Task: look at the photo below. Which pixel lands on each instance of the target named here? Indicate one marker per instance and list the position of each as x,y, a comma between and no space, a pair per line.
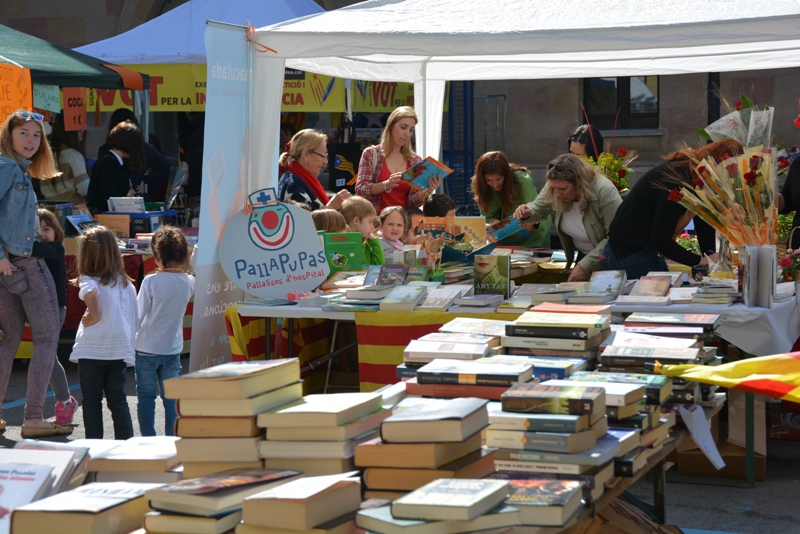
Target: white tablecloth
757,331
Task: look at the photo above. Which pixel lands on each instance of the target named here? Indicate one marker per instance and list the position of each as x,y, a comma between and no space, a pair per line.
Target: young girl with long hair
26,286
104,344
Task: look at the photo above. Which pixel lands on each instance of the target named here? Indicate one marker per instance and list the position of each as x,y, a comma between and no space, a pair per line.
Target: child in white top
104,342
162,303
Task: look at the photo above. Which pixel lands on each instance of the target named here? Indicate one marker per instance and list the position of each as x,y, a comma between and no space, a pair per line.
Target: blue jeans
635,265
151,371
98,377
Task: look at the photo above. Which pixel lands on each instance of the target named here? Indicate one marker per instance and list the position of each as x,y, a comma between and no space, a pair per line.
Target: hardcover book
493,275
418,175
542,398
234,380
343,250
451,499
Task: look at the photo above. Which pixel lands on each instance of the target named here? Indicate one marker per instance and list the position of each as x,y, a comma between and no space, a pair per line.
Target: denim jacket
17,208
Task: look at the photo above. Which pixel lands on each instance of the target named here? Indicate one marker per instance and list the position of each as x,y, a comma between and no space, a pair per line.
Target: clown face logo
271,227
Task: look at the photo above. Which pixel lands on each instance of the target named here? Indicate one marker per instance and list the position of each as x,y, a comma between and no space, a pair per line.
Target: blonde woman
305,157
381,166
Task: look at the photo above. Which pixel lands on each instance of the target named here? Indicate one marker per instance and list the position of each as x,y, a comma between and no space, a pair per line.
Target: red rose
622,152
675,195
733,170
698,182
755,162
750,178
621,173
797,121
782,164
738,106
725,155
701,170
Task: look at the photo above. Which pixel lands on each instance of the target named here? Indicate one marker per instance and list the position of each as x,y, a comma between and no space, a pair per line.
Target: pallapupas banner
222,194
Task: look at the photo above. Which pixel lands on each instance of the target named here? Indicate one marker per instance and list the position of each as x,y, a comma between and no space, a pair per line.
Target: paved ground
766,509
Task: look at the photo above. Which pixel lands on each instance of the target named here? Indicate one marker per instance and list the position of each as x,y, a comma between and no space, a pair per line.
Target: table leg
749,440
269,339
291,338
330,361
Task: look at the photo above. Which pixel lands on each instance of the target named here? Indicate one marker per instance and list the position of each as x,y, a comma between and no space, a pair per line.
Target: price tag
74,108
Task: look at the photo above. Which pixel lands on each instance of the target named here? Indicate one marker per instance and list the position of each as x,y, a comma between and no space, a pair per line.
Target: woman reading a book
305,157
641,234
584,204
381,168
500,187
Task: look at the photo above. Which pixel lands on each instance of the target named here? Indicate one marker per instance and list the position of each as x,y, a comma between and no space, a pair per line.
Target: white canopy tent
427,42
177,35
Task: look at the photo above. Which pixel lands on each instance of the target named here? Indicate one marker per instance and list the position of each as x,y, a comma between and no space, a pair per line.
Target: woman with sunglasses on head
643,232
500,187
382,166
305,157
586,141
27,289
584,204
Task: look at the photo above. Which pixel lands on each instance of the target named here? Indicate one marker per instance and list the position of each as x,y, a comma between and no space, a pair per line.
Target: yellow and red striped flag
776,376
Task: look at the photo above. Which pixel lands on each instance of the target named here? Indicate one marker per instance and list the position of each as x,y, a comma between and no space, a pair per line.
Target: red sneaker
65,411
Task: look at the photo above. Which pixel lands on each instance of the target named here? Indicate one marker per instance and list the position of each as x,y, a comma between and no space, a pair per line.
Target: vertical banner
223,189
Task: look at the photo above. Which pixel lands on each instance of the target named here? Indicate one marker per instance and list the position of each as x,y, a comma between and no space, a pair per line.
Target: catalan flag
342,164
776,376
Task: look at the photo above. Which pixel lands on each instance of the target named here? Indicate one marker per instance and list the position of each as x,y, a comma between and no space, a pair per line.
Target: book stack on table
217,410
318,433
538,428
536,333
424,440
138,459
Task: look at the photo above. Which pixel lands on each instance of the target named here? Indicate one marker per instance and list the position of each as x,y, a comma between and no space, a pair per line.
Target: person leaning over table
500,187
642,233
585,141
305,157
381,167
584,204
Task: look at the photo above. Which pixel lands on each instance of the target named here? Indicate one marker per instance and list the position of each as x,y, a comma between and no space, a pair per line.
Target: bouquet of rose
736,197
615,168
790,266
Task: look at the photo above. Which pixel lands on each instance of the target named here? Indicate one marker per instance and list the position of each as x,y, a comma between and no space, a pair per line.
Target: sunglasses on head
28,115
559,167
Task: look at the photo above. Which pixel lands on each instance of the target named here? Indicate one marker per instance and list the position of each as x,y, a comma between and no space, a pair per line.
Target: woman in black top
642,233
111,175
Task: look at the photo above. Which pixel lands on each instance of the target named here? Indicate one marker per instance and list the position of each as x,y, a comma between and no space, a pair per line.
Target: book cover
418,419
345,279
451,499
675,277
623,338
544,367
545,502
440,298
343,250
610,282
467,325
22,484
418,175
493,275
62,462
651,286
554,399
607,448
371,278
509,231
403,298
417,273
81,222
473,230
80,458
392,274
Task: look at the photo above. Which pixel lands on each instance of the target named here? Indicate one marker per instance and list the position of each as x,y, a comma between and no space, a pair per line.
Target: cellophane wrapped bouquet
737,196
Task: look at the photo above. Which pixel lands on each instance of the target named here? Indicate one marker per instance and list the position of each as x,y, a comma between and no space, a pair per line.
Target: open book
417,176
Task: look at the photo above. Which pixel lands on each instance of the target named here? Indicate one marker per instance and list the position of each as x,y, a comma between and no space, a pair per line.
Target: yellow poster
373,97
172,88
308,91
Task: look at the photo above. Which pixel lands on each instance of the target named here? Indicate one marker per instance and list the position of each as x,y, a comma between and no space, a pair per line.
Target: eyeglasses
323,156
559,167
27,115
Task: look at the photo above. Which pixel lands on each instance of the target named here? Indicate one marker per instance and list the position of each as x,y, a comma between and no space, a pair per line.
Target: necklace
171,270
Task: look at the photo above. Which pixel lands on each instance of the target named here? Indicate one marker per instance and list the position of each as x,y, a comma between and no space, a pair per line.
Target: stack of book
318,433
138,459
573,335
444,345
540,293
487,379
716,292
453,506
212,503
441,298
307,505
485,303
217,410
555,420
424,440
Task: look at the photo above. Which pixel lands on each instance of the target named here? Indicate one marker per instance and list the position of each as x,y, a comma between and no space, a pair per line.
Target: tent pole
348,84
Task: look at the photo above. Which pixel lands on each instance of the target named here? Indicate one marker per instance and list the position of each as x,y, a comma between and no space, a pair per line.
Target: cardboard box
783,420
694,463
736,416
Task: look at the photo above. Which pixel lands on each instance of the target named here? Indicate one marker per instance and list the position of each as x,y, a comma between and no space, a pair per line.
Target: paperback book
493,275
418,175
343,250
509,231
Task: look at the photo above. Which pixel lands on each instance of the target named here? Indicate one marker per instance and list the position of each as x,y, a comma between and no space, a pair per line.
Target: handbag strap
789,243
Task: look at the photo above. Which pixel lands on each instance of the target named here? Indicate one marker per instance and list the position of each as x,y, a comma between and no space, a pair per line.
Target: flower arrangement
615,167
689,243
737,196
790,266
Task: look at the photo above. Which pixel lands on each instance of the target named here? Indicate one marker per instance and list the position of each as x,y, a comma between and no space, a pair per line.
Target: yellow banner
172,88
373,97
307,91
